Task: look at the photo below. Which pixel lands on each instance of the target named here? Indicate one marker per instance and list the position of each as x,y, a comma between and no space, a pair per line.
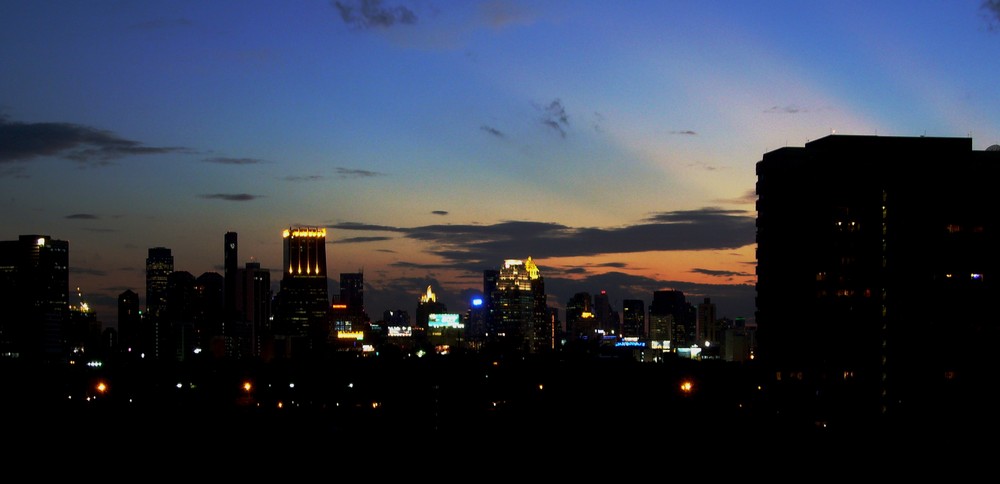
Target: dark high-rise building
348,308
427,305
303,304
671,318
522,309
34,287
129,322
249,337
231,269
155,331
608,320
633,318
706,326
491,277
580,321
877,269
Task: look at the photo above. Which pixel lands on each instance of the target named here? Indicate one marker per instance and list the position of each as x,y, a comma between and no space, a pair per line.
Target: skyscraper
671,318
520,299
34,287
303,301
876,267
155,331
251,336
231,268
129,322
633,318
349,305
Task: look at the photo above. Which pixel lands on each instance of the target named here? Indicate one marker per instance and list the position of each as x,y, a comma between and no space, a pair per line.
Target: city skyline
614,145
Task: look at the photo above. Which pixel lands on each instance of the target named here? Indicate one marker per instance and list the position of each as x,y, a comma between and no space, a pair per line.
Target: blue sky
612,142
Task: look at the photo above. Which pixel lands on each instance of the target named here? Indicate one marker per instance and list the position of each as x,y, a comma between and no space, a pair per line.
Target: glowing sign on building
444,320
357,335
400,331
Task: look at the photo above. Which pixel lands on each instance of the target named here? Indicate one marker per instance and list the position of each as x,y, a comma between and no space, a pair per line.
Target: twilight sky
612,142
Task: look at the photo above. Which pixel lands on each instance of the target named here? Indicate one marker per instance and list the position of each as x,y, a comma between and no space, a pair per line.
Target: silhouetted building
671,318
608,320
706,326
876,267
348,307
129,323
580,321
251,335
155,331
34,287
522,311
302,306
231,269
634,318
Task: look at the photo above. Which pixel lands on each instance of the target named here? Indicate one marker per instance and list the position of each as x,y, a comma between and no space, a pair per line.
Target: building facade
34,287
303,304
876,268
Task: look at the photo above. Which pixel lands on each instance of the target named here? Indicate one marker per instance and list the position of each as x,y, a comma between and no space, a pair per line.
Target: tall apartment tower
34,289
231,269
250,337
877,271
671,318
522,309
634,318
303,301
348,306
706,326
155,332
129,322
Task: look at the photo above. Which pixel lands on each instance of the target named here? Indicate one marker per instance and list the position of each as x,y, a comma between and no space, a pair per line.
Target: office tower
608,320
231,270
876,268
159,265
129,322
34,287
303,304
633,318
580,321
155,330
348,308
706,328
671,318
427,305
475,323
250,335
521,306
491,277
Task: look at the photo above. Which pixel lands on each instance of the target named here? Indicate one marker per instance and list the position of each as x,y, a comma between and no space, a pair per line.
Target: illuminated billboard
444,320
400,331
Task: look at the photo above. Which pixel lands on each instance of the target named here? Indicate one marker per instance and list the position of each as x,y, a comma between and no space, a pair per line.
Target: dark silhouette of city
876,259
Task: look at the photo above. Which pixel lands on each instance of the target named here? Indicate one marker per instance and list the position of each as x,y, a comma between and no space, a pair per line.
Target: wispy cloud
991,10
292,178
476,246
84,144
790,109
355,173
554,116
368,14
233,161
685,132
714,273
748,198
492,130
232,197
84,270
82,216
439,212
353,240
